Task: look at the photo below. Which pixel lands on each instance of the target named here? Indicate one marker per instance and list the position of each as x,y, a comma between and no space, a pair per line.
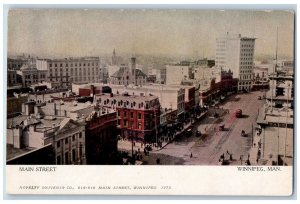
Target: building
228,83
72,70
116,60
31,75
32,132
205,62
12,79
129,74
170,97
90,89
175,74
101,134
236,53
15,63
14,104
138,116
101,137
276,120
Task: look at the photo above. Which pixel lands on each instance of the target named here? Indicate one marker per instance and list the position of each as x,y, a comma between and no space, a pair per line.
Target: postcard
150,102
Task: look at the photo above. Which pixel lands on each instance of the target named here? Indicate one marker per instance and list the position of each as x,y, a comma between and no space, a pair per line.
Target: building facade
128,74
30,75
72,70
175,74
66,136
170,97
138,116
236,53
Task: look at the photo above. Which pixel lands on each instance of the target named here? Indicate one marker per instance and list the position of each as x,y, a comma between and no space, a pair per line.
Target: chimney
92,90
133,63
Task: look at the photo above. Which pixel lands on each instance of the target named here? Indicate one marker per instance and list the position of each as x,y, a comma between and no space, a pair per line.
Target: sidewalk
254,150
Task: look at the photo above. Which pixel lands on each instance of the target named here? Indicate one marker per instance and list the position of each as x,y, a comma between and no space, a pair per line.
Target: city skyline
192,33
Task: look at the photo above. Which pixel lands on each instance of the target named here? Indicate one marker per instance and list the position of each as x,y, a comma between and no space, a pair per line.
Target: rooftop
12,152
120,73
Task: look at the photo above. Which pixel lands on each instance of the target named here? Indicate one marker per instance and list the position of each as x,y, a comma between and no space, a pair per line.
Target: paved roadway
208,149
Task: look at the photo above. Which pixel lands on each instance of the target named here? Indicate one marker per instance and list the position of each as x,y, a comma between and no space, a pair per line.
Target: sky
86,32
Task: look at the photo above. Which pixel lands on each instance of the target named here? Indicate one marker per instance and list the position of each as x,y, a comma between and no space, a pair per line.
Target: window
50,65
139,125
125,123
131,115
58,144
80,135
66,141
131,124
60,65
73,138
139,116
58,160
73,155
125,114
66,158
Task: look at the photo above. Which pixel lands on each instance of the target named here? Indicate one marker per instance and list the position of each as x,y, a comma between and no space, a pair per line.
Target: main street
207,149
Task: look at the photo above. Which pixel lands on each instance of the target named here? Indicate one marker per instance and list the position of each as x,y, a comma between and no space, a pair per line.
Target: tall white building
236,53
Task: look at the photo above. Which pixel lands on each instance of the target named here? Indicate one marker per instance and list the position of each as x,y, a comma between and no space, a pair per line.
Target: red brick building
101,137
138,116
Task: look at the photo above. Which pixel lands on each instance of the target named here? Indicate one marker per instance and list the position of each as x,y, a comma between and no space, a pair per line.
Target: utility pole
278,141
286,120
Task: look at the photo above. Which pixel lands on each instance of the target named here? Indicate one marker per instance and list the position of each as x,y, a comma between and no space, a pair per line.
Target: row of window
71,64
247,45
246,71
34,76
245,83
68,158
246,77
125,124
66,140
243,63
131,114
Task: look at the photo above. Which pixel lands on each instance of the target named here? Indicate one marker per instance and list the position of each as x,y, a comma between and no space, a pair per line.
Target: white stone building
236,53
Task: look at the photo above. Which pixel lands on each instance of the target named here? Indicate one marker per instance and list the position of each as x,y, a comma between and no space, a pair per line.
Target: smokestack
92,92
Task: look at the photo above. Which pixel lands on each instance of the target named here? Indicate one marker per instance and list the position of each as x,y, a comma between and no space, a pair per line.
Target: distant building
72,70
31,75
90,89
138,116
236,53
115,60
175,74
205,62
12,78
128,74
14,103
15,63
